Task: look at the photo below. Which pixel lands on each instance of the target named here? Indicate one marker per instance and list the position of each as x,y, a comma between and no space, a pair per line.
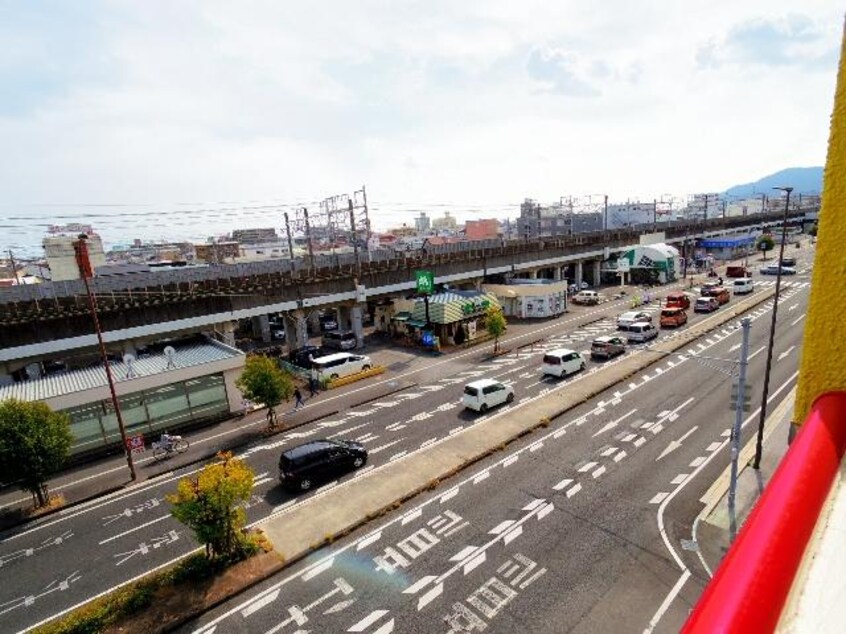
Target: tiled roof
94,377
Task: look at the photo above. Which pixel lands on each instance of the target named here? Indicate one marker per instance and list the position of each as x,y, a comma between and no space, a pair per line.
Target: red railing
752,583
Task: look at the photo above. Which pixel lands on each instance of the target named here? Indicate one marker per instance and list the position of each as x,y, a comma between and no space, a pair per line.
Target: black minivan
303,466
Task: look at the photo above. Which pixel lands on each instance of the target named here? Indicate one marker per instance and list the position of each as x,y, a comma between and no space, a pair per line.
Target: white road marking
413,515
679,478
136,528
784,354
659,497
620,455
364,543
484,475
258,605
574,489
368,620
757,352
587,467
510,460
639,441
397,456
713,446
546,510
563,484
598,472
322,566
798,319
614,423
608,451
449,494
697,461
385,446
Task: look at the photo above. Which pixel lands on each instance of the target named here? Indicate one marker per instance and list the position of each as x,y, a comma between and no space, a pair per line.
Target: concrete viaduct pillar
314,321
578,280
228,332
296,333
597,273
261,327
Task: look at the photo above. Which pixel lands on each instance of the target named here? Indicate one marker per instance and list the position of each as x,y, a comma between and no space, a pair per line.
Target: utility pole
654,214
759,443
14,267
354,235
746,324
308,238
605,214
84,264
290,241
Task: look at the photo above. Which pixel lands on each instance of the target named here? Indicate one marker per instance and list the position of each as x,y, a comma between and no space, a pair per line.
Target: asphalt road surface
564,529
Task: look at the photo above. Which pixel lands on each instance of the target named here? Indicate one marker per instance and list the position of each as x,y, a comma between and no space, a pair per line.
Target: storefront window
207,395
134,417
167,406
85,427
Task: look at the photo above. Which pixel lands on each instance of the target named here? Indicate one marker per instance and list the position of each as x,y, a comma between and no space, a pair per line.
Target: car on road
586,298
788,262
305,465
743,286
673,317
705,305
641,332
483,394
628,318
341,364
737,271
722,295
709,288
772,269
678,300
562,362
607,347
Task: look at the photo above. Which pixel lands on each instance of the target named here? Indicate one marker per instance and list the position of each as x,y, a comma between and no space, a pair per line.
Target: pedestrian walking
299,398
312,381
721,281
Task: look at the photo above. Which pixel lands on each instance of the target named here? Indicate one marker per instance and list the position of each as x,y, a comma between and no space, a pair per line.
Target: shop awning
403,316
414,323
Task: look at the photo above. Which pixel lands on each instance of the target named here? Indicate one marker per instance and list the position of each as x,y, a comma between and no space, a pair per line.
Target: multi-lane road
579,527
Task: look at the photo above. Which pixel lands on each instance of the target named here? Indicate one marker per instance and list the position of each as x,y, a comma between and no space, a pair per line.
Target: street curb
715,493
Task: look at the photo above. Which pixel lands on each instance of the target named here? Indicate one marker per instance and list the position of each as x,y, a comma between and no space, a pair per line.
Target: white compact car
631,317
562,362
642,332
483,394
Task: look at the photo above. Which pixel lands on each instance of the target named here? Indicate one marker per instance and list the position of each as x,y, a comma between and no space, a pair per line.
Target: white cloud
443,102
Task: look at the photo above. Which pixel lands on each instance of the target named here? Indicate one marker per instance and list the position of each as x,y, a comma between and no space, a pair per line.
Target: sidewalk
712,530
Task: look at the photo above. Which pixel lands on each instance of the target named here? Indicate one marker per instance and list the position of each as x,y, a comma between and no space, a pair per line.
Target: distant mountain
803,180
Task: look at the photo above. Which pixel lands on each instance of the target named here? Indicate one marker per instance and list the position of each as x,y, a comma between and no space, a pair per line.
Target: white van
336,366
743,286
483,394
641,332
562,362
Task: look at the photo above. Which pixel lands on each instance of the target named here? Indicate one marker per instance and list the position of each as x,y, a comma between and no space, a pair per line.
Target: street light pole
745,323
759,443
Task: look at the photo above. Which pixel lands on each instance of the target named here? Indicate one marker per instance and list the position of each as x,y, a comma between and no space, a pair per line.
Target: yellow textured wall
823,366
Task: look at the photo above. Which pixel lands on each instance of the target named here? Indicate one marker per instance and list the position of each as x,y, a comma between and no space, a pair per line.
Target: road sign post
425,287
740,402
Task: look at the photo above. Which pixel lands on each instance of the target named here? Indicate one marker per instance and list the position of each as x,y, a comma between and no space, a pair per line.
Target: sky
131,114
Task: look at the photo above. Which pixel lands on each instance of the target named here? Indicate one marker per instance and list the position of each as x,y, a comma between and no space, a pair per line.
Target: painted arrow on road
794,307
614,423
784,354
675,444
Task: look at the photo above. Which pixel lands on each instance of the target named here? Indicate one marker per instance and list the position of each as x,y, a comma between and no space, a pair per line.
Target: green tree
496,325
34,442
263,382
211,505
765,243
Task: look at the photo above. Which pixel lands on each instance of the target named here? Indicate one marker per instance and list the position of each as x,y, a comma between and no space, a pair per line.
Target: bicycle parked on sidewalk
169,445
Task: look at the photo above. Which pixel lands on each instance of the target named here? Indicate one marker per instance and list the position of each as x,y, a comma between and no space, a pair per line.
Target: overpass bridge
40,321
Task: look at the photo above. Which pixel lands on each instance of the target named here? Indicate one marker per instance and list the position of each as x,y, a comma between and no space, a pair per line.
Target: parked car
738,271
340,340
277,332
586,298
625,320
303,357
607,347
305,465
483,394
678,300
772,269
642,332
743,286
328,323
788,262
341,364
562,362
673,317
705,305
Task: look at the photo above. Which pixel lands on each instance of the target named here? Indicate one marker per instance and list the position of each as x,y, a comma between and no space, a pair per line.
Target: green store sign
425,282
475,306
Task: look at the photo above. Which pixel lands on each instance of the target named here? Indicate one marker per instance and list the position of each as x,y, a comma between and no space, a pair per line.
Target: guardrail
749,590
